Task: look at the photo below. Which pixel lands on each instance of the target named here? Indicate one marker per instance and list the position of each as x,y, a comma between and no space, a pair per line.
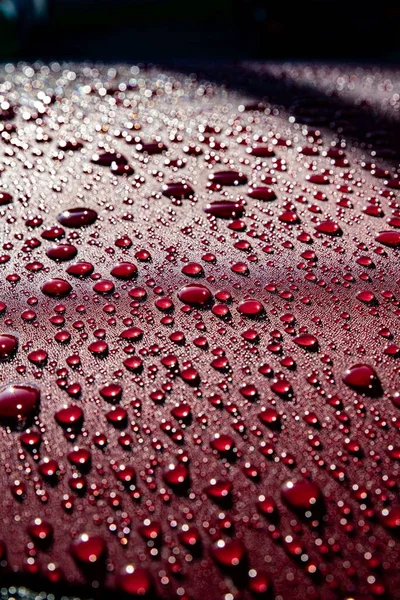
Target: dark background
191,30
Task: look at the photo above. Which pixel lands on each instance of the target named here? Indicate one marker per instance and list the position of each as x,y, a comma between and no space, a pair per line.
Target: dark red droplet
394,183
219,490
228,554
261,151
195,294
177,190
389,238
251,308
363,379
80,269
34,222
62,252
306,341
228,178
72,416
329,228
120,169
106,159
56,288
5,198
80,458
8,346
193,269
270,417
38,357
390,517
18,402
367,297
31,440
224,444
41,532
49,469
111,392
70,145
133,334
190,537
224,209
319,179
282,388
135,581
262,193
134,364
290,217
151,147
394,222
77,217
104,286
54,233
99,348
124,271
301,494
259,584
177,476
190,375
89,549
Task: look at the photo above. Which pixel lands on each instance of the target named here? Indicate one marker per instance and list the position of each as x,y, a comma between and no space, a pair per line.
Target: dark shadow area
143,30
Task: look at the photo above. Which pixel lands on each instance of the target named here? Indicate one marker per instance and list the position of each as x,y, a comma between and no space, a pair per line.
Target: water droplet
228,178
135,581
177,190
77,217
251,308
8,346
302,495
329,228
390,517
224,209
5,198
228,554
56,288
89,549
41,532
306,341
70,417
195,294
124,270
62,252
363,379
389,238
80,269
18,403
262,193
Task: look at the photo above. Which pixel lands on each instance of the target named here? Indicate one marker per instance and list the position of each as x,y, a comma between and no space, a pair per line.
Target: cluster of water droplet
198,338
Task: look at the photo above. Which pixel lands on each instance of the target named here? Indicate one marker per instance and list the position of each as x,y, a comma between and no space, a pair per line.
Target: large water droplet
303,496
135,581
18,403
8,346
363,379
224,209
228,178
89,549
195,294
389,238
56,288
177,190
251,308
77,217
